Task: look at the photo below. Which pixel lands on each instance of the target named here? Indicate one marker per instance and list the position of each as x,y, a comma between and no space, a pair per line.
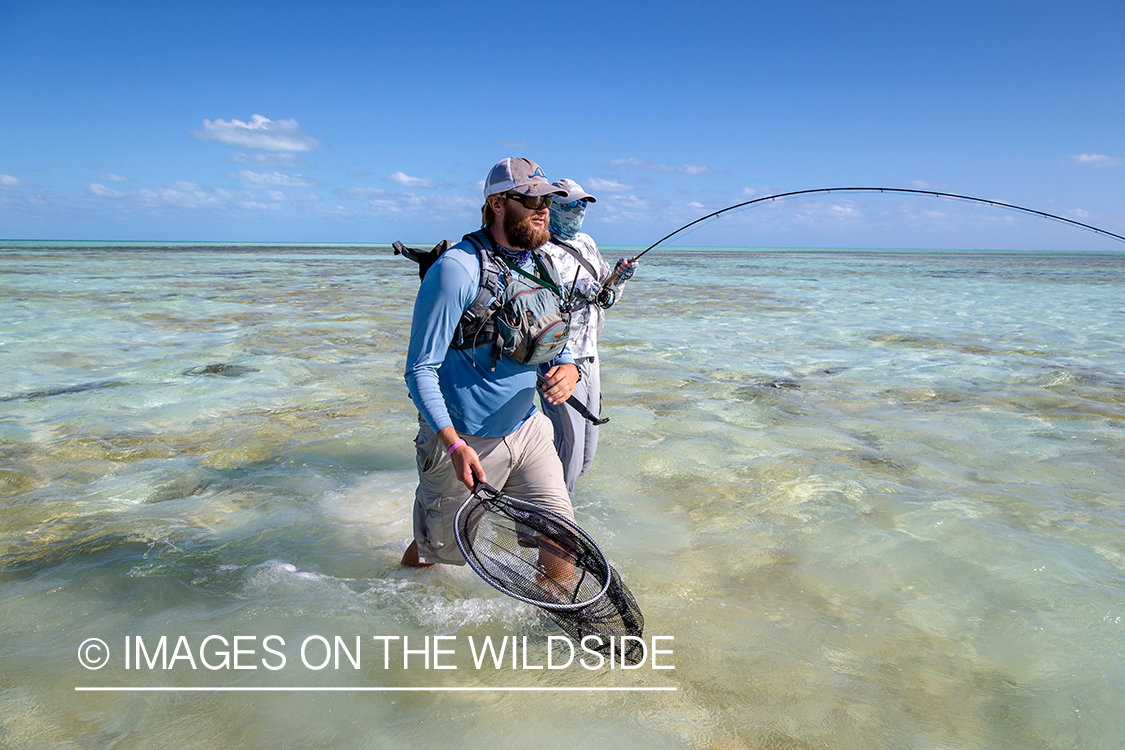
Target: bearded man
477,415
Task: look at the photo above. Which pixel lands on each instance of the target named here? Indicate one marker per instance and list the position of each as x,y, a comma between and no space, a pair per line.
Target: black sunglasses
532,203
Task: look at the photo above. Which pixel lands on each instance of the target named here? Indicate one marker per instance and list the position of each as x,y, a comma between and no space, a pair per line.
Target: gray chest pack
514,312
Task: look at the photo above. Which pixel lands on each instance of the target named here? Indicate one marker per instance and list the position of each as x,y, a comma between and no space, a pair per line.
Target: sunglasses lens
572,205
532,203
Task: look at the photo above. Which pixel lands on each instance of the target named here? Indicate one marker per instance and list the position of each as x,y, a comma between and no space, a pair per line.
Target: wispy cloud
258,206
178,194
810,212
276,179
931,186
607,186
182,195
96,188
110,177
411,182
632,164
365,193
274,159
7,181
383,202
260,134
1098,160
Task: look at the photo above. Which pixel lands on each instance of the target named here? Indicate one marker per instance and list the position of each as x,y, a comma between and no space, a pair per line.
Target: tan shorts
523,465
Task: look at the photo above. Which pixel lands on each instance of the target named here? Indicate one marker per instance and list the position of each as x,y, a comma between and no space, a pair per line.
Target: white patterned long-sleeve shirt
586,319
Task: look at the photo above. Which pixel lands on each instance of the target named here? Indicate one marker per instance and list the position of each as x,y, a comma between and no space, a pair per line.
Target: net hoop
478,499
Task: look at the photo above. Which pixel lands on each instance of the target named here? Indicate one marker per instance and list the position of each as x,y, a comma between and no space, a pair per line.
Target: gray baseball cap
574,191
518,175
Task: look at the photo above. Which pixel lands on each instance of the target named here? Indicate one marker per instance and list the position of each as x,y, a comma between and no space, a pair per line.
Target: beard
522,234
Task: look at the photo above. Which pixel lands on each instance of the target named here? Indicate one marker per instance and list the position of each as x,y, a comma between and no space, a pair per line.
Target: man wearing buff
476,421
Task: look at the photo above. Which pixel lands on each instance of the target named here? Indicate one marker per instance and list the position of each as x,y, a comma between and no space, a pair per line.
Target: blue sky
369,122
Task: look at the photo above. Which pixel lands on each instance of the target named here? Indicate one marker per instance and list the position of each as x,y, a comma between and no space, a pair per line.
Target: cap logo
538,172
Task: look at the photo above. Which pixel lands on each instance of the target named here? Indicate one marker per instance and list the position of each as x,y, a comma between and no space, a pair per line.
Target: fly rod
908,191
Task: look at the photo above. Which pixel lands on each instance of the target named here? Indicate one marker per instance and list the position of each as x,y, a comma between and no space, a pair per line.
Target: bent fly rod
909,191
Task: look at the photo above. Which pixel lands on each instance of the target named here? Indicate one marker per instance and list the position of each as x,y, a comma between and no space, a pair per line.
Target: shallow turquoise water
874,497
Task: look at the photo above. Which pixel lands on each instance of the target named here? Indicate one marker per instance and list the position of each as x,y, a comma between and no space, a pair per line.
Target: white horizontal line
169,689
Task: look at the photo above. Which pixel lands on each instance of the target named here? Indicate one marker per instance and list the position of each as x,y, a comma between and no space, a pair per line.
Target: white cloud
382,202
189,196
1098,160
270,160
633,164
933,187
7,181
842,210
276,179
182,196
411,182
110,177
816,211
102,191
261,134
607,186
750,192
365,193
277,195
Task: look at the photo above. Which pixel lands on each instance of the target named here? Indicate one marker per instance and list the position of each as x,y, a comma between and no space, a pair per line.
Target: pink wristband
454,447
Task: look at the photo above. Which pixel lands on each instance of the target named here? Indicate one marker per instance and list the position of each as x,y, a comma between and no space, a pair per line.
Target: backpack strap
477,326
487,299
577,256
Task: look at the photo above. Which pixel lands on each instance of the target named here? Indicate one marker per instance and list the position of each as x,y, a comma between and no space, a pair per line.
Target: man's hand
625,269
466,462
559,383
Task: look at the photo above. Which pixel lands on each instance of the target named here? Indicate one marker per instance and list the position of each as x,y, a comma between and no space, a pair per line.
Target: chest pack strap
542,279
477,326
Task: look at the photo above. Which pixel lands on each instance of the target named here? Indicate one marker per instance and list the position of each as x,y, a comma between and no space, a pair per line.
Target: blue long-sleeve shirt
459,387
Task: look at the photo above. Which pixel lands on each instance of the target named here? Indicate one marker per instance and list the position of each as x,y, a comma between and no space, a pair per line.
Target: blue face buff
566,218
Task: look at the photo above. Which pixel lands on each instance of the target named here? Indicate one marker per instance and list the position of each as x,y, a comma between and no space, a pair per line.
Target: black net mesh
614,614
542,558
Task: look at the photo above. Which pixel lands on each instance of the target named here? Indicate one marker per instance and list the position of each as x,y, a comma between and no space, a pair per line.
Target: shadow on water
64,390
225,370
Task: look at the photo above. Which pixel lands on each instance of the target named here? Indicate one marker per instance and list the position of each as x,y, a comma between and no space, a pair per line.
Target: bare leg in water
410,558
556,567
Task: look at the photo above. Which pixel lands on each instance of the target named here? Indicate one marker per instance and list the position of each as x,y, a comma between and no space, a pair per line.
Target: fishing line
909,191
